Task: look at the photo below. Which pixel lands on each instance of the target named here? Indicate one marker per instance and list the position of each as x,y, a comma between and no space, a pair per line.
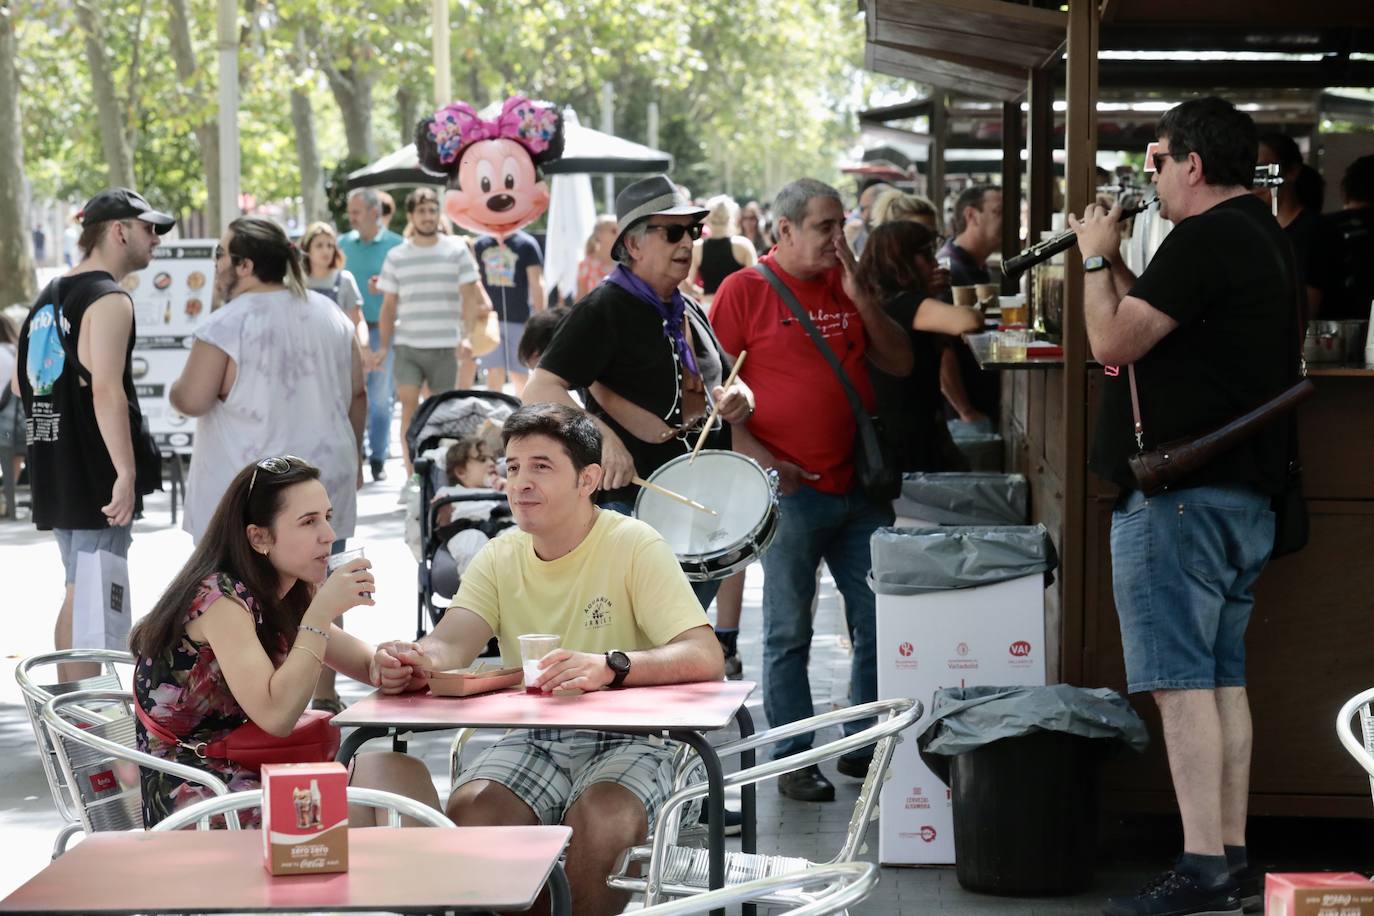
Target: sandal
332,705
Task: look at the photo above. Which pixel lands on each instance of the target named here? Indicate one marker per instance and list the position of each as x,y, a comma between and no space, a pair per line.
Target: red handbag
313,740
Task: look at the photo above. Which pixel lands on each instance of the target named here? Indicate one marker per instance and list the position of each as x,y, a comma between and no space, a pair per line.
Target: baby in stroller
456,503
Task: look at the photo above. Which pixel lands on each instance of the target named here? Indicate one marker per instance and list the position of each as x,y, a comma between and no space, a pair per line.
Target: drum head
733,485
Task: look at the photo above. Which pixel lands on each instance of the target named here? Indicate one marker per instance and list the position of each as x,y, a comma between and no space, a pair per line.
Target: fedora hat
653,196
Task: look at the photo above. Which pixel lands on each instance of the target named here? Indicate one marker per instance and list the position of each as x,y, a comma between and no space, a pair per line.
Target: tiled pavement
28,822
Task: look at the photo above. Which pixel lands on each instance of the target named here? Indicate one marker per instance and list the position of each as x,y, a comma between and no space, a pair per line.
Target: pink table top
703,706
425,869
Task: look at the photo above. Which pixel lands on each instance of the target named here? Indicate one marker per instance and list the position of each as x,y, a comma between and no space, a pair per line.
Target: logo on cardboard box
905,651
962,662
1020,652
927,833
961,650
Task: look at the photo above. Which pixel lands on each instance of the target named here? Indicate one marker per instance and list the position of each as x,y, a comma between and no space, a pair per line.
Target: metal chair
395,806
843,885
36,694
680,871
1362,751
93,740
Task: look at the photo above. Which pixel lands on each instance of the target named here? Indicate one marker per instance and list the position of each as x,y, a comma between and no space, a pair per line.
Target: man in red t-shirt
803,427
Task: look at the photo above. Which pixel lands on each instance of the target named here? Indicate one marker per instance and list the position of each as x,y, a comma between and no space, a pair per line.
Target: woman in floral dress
242,632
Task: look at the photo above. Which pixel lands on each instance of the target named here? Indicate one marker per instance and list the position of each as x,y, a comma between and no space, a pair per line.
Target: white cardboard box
990,635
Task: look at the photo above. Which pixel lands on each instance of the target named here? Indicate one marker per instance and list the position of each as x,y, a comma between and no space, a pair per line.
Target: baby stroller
439,421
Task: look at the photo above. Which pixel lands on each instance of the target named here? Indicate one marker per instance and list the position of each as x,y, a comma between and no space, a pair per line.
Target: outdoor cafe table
428,870
681,712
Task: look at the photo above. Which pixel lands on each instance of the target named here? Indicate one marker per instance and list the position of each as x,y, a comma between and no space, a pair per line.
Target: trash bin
984,451
959,498
1023,768
957,605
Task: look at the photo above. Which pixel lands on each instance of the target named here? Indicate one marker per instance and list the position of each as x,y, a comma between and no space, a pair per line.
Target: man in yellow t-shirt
611,588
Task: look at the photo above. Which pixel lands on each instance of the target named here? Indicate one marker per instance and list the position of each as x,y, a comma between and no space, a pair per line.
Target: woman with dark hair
241,635
897,266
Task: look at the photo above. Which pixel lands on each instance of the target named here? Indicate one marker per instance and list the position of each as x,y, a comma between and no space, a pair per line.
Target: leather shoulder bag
313,740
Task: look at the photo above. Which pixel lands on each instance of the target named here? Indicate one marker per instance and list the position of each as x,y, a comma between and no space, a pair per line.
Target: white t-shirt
290,397
426,281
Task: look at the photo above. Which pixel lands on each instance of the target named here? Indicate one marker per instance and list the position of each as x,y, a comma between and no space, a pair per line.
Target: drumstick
715,410
640,481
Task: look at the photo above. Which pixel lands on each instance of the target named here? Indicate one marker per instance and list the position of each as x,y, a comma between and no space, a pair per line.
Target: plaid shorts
550,768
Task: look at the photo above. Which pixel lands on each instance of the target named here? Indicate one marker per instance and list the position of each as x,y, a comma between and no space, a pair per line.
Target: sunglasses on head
278,465
673,233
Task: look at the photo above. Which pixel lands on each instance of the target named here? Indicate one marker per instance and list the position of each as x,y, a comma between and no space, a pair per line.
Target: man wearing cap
805,430
84,425
639,337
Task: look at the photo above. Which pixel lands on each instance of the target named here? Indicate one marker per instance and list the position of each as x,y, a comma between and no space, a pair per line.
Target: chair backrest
845,884
1360,746
395,806
94,742
36,694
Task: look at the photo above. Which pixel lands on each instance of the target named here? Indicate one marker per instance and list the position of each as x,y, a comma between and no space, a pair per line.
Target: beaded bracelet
309,629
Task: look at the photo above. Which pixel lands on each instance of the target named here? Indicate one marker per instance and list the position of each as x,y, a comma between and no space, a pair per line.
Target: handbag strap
1286,271
855,402
148,723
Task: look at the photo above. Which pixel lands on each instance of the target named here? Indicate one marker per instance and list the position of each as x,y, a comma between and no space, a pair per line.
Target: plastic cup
533,647
343,559
1012,345
965,295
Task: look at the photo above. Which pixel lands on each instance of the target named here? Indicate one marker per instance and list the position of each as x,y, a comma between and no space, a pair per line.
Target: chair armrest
1347,735
37,694
53,719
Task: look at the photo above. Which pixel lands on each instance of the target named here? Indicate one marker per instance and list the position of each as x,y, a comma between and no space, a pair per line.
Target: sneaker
1176,894
734,821
734,668
378,471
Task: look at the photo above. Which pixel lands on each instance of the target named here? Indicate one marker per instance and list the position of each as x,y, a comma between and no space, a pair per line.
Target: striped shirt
426,281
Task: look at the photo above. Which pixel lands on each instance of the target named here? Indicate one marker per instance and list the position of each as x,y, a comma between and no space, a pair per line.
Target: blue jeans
813,526
1183,564
381,394
705,591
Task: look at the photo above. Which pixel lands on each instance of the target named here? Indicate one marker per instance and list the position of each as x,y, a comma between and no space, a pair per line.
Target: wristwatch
1095,262
619,663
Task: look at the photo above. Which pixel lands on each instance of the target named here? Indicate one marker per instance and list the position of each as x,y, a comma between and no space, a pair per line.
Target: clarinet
1043,251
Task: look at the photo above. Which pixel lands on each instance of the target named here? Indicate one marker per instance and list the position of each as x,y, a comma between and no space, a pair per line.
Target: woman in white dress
276,371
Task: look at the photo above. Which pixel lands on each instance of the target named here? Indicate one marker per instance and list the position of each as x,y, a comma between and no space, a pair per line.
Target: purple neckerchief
673,313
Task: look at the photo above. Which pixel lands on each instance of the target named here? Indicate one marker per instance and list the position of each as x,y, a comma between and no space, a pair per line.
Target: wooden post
939,130
1080,142
1011,185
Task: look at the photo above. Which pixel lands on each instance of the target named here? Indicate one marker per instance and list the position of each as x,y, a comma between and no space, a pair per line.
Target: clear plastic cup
1012,345
343,559
533,647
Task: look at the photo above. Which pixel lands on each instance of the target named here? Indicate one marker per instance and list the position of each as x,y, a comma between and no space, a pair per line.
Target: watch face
618,661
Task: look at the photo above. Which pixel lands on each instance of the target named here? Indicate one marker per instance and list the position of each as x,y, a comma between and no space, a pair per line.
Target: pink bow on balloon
456,126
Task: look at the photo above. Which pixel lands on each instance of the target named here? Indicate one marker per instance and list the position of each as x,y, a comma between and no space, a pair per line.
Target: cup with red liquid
533,647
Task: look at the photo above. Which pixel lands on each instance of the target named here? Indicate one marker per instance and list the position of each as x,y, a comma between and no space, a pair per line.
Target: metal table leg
356,739
749,827
560,894
715,805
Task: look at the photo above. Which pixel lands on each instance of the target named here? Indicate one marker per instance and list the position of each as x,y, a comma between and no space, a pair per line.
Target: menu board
172,296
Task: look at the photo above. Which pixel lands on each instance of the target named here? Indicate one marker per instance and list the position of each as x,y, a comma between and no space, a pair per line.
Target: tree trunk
207,131
107,106
407,107
316,205
352,90
17,282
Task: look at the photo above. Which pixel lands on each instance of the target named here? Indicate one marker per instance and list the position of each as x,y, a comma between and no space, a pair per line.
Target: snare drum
713,547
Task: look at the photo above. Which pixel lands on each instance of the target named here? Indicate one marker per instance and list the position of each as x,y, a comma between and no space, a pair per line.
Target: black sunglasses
673,234
279,465
1159,159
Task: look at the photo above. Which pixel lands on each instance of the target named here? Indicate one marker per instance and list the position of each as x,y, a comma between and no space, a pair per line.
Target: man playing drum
612,590
639,337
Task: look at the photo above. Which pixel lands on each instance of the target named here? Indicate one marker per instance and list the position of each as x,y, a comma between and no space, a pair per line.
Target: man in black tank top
83,422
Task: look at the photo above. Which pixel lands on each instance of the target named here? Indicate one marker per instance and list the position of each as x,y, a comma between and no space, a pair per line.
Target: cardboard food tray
468,683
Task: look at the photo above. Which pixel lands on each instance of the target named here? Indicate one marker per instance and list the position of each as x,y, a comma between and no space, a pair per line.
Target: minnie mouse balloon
494,187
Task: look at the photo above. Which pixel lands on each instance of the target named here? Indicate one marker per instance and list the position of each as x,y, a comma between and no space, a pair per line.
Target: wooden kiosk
1311,638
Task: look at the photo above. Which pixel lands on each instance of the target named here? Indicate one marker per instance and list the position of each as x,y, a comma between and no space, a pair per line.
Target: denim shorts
1183,564
71,541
